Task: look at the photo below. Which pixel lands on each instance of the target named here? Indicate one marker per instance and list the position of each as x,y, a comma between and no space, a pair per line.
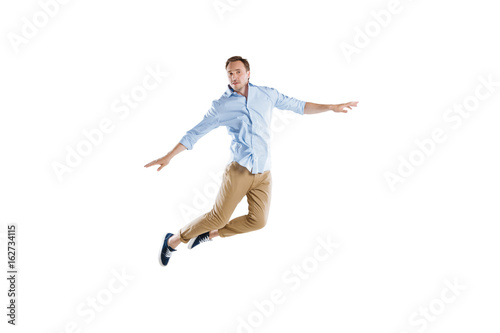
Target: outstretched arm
208,123
312,108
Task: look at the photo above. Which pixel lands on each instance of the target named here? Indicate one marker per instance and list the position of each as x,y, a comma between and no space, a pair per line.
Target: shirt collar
230,91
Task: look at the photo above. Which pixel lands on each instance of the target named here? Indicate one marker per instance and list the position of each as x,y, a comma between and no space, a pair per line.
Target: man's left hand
342,107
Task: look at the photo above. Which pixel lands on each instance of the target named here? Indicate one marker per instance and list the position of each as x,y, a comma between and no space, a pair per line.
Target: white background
397,247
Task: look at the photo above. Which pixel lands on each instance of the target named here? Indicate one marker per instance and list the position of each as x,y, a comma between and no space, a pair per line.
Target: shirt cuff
302,107
185,142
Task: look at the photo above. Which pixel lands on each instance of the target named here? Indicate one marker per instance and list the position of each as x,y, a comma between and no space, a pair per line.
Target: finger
150,164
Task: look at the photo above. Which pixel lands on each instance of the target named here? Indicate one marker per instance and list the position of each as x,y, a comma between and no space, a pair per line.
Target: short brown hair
238,58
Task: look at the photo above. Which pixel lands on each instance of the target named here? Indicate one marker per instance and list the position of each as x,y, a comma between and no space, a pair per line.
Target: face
237,75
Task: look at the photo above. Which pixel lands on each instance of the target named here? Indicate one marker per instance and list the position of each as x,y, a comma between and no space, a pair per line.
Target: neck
244,91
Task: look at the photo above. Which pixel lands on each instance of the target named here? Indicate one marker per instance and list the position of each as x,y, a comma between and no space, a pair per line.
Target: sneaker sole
161,248
191,242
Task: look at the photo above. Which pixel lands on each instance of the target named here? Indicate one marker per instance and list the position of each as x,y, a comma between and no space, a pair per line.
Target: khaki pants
237,182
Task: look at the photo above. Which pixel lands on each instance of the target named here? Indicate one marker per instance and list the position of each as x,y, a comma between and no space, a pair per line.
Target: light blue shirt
248,122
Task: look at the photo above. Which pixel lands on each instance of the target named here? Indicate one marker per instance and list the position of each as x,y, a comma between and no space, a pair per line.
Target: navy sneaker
203,238
166,251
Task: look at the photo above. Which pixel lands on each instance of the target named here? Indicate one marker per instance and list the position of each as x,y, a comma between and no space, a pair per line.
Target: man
246,110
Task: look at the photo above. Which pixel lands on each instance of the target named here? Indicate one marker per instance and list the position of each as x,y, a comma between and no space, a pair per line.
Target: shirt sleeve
284,102
209,122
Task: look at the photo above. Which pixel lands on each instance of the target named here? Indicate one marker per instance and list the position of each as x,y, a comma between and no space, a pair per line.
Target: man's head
238,72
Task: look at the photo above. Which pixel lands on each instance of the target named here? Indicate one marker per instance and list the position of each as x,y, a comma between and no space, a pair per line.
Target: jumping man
245,110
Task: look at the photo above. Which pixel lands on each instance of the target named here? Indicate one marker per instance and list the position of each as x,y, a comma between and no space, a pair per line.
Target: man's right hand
163,161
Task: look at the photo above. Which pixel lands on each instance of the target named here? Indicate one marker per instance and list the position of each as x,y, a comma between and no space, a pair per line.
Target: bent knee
258,222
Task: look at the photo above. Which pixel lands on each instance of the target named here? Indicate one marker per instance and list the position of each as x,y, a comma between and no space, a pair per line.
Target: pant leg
236,182
259,201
